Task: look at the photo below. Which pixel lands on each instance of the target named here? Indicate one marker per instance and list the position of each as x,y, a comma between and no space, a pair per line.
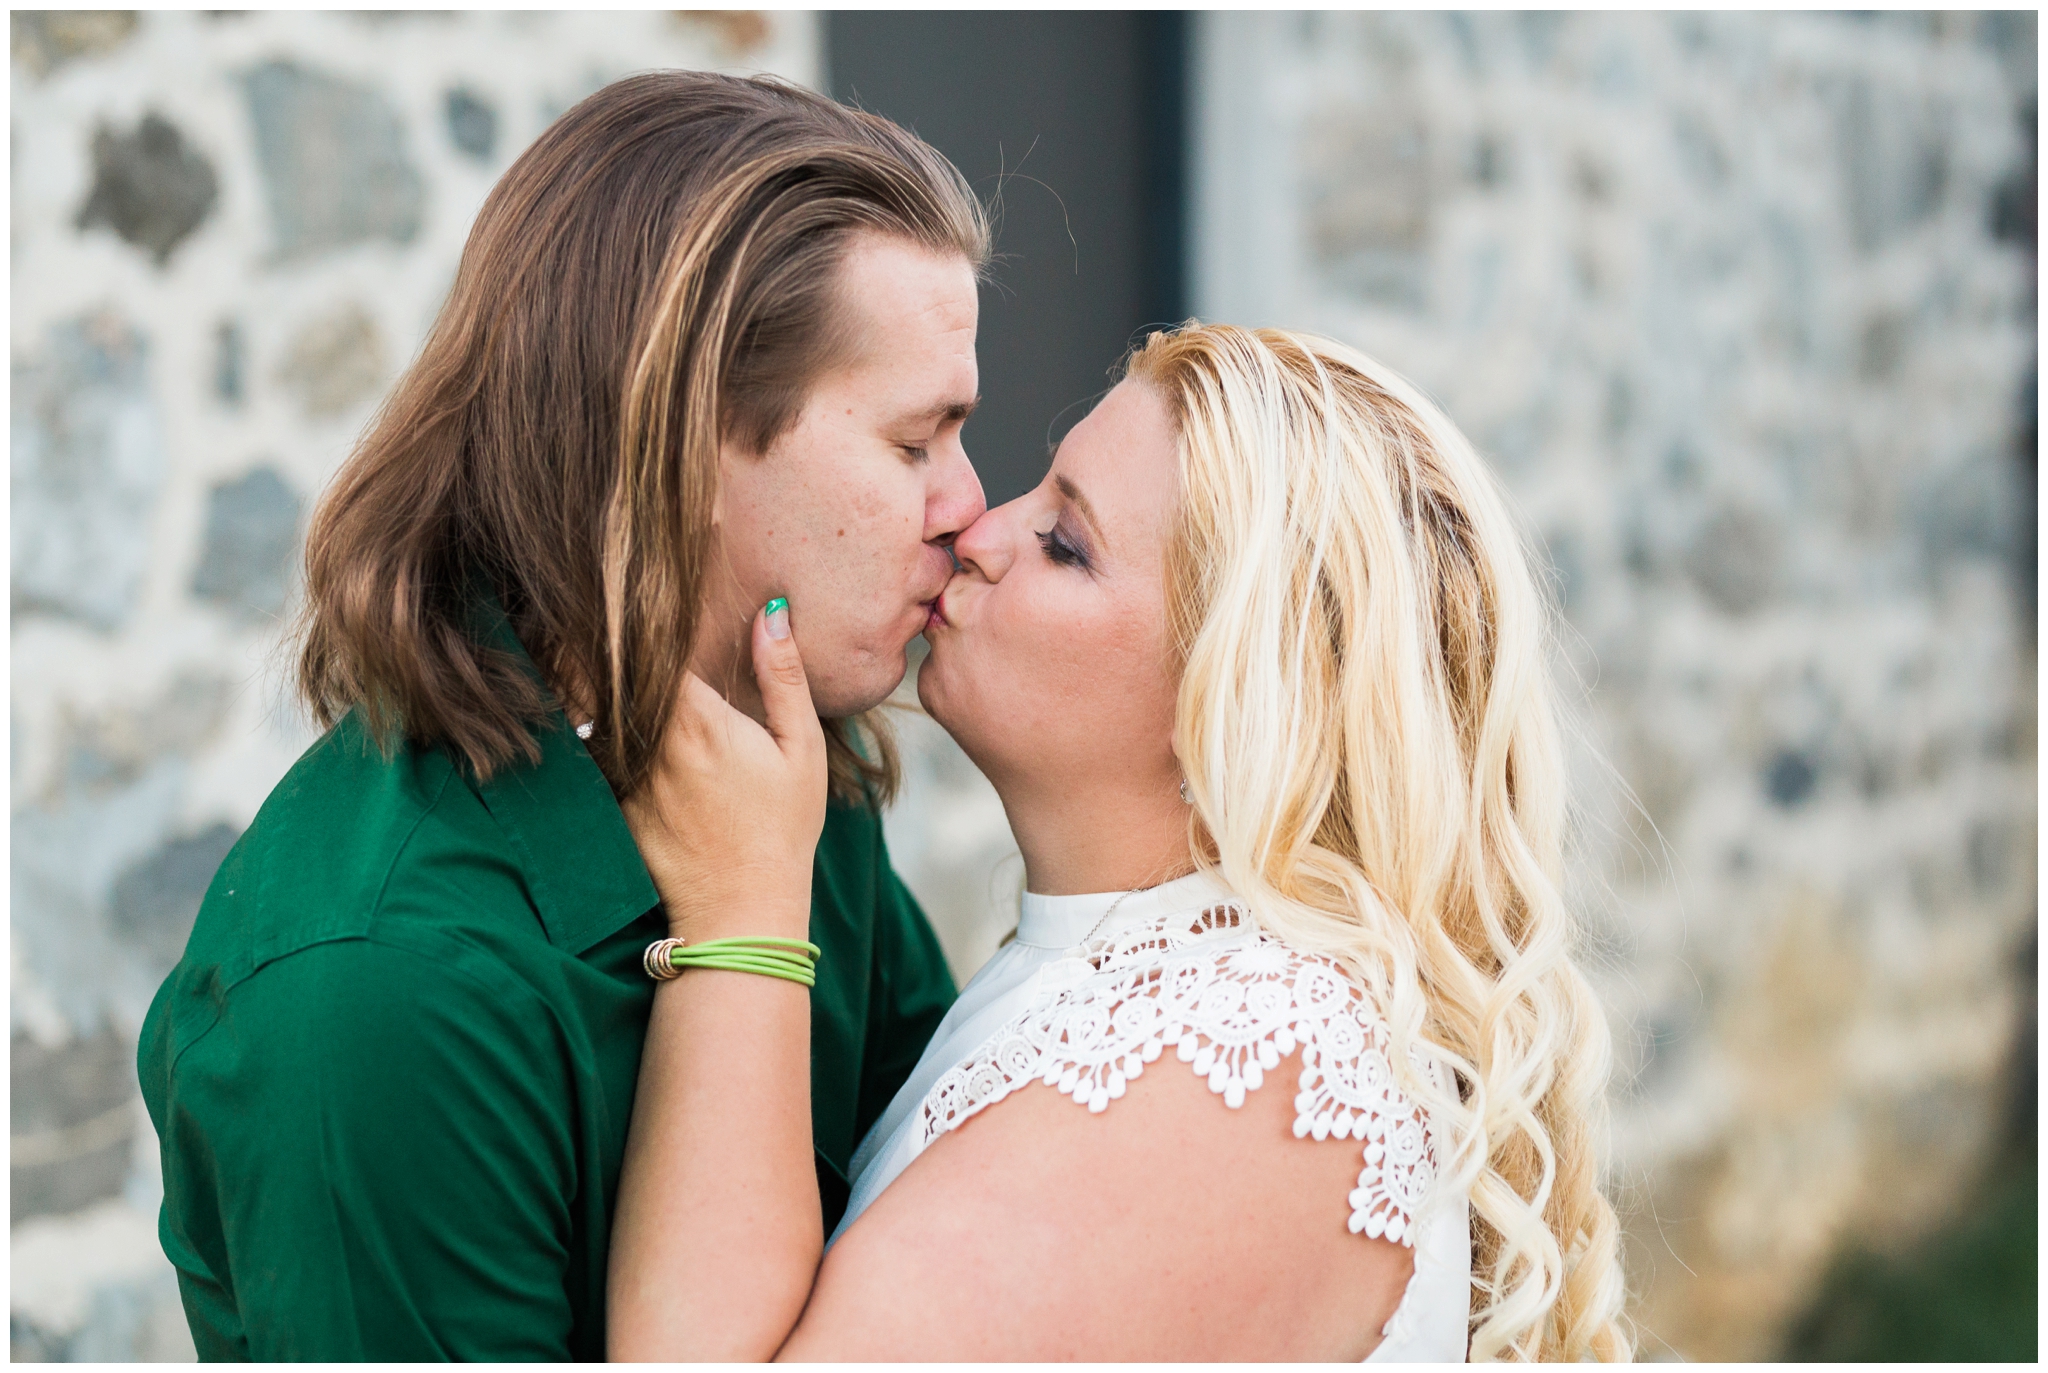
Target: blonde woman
1289,1058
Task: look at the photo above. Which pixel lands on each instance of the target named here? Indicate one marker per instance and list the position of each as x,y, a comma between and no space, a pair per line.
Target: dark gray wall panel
1070,124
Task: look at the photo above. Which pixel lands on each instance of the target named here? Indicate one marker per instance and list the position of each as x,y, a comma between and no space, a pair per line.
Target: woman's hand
718,1228
729,821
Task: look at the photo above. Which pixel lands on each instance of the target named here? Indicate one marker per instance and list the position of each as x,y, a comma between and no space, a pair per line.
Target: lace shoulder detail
1232,1001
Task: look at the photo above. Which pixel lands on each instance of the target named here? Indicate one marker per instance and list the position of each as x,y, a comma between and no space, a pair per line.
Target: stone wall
229,232
1741,307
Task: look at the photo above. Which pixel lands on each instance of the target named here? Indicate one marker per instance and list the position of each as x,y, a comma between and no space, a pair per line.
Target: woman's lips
936,612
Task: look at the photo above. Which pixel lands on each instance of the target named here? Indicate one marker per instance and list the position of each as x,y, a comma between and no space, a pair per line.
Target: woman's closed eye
1060,551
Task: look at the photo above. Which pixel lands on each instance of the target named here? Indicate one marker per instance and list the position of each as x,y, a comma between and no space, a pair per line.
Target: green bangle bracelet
792,960
745,960
686,956
766,941
734,966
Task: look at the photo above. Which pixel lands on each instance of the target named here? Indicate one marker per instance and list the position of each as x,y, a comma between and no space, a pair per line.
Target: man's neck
723,657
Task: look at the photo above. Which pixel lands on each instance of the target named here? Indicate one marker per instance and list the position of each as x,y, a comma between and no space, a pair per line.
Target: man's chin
840,696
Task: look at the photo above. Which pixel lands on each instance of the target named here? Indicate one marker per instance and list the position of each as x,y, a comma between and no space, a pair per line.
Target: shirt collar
578,857
1060,922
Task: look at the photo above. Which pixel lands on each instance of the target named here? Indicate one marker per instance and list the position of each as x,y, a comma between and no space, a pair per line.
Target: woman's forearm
718,1232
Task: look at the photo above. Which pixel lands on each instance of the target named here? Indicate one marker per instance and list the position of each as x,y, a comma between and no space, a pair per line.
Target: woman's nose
985,545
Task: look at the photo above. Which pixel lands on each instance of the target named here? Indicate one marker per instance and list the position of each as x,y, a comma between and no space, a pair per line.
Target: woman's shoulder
1232,1001
1240,1105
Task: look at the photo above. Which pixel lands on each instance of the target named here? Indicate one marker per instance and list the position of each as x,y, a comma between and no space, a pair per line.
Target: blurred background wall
1742,307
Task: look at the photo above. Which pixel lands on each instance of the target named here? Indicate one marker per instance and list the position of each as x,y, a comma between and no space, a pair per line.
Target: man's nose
955,500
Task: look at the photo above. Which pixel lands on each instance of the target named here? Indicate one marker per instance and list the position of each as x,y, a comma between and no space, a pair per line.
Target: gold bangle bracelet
657,960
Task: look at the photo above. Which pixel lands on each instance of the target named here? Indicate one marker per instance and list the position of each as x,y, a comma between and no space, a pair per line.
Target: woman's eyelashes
1059,550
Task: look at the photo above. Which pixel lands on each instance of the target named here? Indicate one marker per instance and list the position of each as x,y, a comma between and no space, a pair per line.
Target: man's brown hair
657,273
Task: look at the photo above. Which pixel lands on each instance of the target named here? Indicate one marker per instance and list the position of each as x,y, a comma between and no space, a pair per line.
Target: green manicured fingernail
779,603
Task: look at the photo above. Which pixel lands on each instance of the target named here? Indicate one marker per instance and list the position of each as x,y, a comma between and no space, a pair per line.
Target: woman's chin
940,696
930,692
964,724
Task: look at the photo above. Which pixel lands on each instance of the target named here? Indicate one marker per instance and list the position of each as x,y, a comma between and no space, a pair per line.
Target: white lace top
1183,967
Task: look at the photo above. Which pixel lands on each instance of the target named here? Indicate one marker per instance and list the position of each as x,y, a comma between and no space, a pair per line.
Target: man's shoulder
351,836
384,994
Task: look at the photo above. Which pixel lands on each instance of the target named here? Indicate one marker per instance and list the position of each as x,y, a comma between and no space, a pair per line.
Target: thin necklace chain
1097,927
1108,913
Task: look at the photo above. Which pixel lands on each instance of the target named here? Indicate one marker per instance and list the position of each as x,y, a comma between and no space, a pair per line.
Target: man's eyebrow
1073,493
946,412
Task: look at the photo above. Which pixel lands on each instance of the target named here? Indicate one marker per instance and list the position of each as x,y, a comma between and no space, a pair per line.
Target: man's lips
935,604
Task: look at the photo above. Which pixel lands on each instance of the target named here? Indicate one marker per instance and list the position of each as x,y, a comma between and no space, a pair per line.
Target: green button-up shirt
392,1075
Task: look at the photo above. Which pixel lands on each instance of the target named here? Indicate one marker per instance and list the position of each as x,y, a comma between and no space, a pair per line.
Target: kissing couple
561,1003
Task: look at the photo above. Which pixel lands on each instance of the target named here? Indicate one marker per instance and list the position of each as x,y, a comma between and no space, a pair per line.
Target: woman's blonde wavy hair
1366,725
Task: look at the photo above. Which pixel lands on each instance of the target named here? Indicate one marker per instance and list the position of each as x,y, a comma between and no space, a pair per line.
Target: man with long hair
711,345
